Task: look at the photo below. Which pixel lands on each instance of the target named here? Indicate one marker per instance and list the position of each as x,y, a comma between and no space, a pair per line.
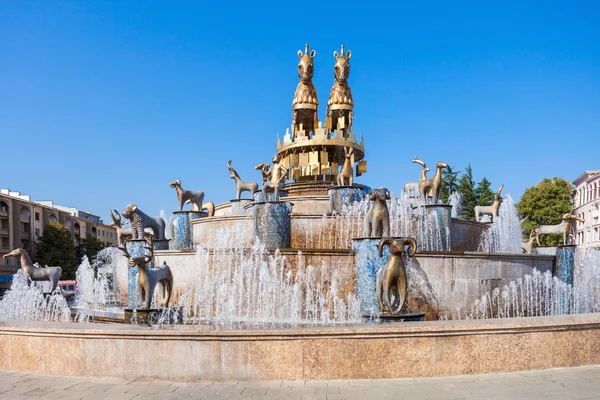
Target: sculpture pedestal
141,317
434,229
136,248
259,198
341,196
366,263
272,224
238,206
404,316
565,263
181,230
160,244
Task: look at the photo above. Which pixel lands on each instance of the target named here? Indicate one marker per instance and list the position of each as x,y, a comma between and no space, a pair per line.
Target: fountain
315,276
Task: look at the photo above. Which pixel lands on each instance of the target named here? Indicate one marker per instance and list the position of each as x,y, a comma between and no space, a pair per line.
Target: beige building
587,206
22,222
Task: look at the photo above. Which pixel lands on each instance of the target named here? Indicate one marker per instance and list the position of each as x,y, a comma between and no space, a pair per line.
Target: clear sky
104,103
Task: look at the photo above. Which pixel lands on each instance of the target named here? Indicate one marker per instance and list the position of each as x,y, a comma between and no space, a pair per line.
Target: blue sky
105,103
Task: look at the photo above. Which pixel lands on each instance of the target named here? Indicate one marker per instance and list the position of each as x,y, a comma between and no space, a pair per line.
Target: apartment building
587,206
22,222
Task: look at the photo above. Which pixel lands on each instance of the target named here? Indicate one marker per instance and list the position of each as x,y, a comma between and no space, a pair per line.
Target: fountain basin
367,351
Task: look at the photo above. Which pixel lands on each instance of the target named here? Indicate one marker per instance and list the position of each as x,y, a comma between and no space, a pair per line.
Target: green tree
484,193
90,247
466,187
55,248
449,183
545,204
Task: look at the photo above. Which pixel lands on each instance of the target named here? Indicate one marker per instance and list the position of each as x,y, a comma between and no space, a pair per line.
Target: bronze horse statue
51,274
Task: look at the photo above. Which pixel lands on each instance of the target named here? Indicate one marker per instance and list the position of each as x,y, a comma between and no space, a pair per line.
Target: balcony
25,218
25,235
5,250
3,232
3,214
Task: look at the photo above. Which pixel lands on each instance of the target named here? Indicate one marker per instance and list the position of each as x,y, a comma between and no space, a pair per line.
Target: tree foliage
466,187
90,247
55,248
449,183
545,204
484,193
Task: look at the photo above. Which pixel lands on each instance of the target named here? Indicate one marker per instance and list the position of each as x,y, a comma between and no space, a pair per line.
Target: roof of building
586,175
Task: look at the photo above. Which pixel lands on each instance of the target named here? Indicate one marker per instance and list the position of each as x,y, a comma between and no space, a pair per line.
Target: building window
37,216
7,261
37,232
25,212
53,218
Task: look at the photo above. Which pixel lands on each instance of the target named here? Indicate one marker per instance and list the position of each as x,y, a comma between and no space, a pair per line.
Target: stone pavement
562,383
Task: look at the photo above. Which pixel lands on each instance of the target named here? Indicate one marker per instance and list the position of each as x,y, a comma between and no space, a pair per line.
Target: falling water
504,235
541,294
95,288
26,301
455,200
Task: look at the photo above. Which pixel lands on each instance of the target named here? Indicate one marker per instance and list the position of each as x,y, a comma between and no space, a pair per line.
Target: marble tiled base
259,198
367,351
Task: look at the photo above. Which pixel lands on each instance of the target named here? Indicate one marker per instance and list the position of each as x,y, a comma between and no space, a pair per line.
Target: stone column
272,224
181,230
341,196
238,207
367,262
565,263
135,248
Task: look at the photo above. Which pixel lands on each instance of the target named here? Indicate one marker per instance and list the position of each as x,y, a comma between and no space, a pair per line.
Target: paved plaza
561,383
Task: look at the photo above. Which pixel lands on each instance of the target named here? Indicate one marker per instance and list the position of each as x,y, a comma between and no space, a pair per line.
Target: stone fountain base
367,351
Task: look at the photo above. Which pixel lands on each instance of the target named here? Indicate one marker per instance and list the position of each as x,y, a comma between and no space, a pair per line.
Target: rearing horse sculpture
433,185
51,274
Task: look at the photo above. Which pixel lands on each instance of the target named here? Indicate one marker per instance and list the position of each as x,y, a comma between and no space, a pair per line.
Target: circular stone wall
352,352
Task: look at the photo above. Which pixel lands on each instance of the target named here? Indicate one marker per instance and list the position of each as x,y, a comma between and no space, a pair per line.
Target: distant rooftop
50,203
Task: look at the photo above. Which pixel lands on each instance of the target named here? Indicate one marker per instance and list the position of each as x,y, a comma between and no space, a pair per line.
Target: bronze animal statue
392,285
377,220
122,233
492,210
340,105
210,208
241,186
140,221
527,247
565,227
193,197
413,187
51,274
346,175
305,99
432,186
273,178
150,277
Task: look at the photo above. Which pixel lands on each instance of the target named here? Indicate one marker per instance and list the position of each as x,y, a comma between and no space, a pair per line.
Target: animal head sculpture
379,195
441,164
233,173
341,70
397,246
306,65
129,210
14,253
571,217
174,184
497,197
117,223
